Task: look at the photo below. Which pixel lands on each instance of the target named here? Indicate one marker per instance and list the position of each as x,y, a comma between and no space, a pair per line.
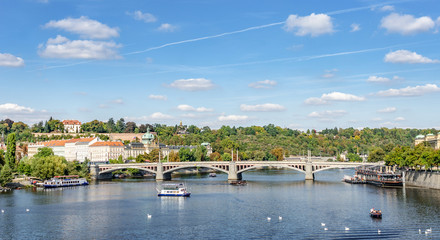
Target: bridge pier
309,171
232,174
160,176
94,171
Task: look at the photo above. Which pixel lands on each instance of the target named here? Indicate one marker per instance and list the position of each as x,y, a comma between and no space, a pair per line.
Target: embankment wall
426,179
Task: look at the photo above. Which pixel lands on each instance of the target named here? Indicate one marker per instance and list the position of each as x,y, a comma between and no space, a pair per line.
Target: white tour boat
173,189
65,181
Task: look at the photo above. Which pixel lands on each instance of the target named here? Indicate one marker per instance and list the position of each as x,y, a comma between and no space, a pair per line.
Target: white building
82,148
102,152
72,126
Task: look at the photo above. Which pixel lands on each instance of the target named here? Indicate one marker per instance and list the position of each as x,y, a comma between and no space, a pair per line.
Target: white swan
280,218
3,211
378,231
148,215
323,224
325,229
268,218
27,210
346,228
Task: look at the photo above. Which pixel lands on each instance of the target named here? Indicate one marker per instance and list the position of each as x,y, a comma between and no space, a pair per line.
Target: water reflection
217,210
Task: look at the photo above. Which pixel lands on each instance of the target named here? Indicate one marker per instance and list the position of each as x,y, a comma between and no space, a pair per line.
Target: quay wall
426,179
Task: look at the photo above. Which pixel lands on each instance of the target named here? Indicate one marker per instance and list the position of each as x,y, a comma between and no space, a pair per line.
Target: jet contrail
233,32
207,37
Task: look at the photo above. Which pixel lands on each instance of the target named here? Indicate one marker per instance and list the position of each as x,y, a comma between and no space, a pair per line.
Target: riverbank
427,179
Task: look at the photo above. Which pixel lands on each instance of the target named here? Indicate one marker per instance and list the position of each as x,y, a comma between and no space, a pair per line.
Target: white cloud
193,84
157,116
14,108
118,101
326,98
160,116
267,107
263,84
399,119
328,114
85,27
9,60
338,96
355,27
329,73
387,110
166,27
410,91
313,25
233,118
188,108
405,56
26,114
406,24
61,47
378,79
146,17
387,8
315,101
158,97
378,119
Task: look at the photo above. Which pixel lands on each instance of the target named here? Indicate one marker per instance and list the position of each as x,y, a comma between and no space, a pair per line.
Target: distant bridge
234,169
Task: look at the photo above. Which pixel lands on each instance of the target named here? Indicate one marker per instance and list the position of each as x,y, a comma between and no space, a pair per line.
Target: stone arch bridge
234,169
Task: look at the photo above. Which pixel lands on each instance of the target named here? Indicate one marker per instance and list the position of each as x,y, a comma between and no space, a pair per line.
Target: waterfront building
82,148
431,139
72,126
134,149
102,152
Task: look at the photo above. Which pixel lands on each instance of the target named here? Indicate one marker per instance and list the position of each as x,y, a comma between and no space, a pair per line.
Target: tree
44,152
48,167
111,125
130,127
24,167
353,157
278,153
120,125
376,155
173,156
200,153
186,155
2,157
215,156
5,175
226,157
10,152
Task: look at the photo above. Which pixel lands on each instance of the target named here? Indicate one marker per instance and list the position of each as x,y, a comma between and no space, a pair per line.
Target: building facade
72,126
431,139
102,152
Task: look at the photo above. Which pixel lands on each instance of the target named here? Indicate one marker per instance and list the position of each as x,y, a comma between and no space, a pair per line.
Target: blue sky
297,64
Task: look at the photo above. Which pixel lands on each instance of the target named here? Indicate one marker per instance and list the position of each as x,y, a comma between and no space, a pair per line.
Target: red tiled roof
55,143
111,144
86,139
71,122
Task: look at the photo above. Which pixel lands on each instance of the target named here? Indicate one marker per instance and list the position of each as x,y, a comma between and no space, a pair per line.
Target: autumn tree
278,152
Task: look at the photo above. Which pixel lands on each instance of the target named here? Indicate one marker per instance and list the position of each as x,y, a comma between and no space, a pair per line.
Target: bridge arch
255,167
330,167
122,168
189,166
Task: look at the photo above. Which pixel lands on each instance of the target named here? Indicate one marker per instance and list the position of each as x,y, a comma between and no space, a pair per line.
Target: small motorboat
375,213
238,183
213,174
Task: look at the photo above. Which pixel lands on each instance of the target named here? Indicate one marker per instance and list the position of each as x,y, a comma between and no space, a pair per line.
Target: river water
118,210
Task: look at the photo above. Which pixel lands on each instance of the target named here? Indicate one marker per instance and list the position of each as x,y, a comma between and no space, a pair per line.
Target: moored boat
380,178
65,181
213,174
173,190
